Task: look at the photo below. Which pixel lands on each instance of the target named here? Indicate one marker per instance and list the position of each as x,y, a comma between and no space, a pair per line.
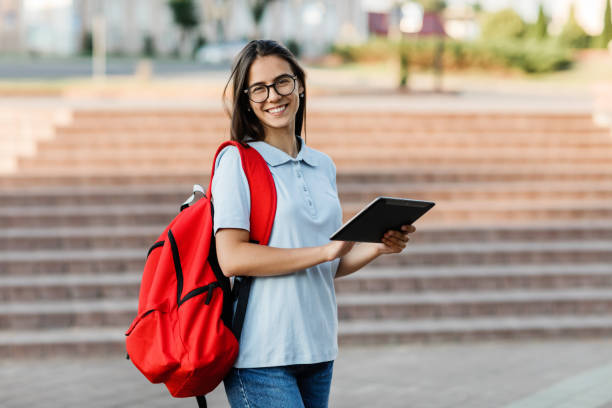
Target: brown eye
284,85
258,90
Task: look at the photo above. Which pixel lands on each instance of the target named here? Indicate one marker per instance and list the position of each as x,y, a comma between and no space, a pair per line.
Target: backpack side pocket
150,343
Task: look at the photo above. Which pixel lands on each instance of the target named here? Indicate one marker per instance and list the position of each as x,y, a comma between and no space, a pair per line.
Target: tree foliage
184,13
435,6
258,7
541,25
573,35
185,16
606,34
503,24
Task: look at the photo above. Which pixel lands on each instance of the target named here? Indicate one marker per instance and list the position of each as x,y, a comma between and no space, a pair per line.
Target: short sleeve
230,192
332,175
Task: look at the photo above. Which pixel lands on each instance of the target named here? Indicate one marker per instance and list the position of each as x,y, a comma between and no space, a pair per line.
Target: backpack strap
262,190
263,210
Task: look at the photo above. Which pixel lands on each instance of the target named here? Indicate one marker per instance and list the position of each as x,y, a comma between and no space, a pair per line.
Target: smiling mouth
277,110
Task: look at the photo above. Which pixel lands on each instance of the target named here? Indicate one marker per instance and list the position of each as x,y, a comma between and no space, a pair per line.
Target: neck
283,140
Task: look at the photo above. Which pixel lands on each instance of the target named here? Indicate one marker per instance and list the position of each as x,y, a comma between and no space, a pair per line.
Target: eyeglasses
283,85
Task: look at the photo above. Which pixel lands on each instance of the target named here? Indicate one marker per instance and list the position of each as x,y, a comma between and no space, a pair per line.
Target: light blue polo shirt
290,319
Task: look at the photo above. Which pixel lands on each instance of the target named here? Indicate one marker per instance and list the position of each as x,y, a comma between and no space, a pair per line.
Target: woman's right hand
337,249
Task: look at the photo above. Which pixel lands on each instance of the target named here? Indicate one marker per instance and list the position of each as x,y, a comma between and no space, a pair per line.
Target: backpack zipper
198,291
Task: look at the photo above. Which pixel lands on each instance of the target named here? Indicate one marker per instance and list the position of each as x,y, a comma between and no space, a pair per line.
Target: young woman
289,336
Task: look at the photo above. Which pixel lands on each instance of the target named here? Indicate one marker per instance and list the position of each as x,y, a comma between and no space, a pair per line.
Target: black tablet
381,215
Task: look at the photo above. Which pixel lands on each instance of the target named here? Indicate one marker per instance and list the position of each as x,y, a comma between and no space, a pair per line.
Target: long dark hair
245,125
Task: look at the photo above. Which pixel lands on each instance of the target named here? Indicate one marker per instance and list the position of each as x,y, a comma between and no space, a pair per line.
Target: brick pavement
518,374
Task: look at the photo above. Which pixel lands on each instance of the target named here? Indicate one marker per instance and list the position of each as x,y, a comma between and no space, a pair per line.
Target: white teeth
277,110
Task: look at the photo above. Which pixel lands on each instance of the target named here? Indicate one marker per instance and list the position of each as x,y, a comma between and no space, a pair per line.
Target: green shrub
530,56
503,24
377,49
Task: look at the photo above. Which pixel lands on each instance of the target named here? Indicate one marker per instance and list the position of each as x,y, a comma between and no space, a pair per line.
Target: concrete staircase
518,245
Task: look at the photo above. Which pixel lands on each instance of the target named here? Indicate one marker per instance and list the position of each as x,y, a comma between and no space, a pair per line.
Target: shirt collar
275,157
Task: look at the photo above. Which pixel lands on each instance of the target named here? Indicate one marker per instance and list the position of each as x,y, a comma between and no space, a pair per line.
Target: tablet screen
381,215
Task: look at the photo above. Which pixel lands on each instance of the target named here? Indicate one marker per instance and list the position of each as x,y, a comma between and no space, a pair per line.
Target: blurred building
10,26
63,27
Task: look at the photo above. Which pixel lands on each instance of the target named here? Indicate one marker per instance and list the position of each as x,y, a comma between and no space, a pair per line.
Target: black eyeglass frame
273,84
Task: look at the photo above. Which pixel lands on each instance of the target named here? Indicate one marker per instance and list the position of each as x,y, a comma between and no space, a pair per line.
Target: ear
300,87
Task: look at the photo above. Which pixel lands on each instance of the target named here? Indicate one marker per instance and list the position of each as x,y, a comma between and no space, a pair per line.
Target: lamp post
99,46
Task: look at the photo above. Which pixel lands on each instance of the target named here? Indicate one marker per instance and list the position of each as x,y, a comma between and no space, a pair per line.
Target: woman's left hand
394,242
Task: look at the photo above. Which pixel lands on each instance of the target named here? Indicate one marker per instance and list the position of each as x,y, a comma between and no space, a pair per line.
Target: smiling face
278,111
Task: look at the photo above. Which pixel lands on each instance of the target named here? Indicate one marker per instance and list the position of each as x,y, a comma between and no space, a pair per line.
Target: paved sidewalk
523,374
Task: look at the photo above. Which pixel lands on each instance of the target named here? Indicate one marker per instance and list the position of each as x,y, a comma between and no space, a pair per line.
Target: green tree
404,61
258,8
87,43
541,26
503,24
573,35
185,16
433,5
606,34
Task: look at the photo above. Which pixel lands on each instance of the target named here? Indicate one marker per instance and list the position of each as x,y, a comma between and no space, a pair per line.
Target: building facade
61,27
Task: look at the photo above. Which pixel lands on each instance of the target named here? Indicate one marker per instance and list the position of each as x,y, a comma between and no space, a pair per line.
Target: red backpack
184,334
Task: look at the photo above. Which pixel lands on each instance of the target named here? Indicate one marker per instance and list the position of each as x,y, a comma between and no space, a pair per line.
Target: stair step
65,342
72,287
94,261
348,191
475,278
91,237
113,312
373,280
495,253
90,215
403,173
486,253
66,238
72,313
329,138
444,212
168,157
81,342
363,332
366,306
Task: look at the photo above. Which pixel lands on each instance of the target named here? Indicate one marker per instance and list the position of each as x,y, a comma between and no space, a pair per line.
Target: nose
272,94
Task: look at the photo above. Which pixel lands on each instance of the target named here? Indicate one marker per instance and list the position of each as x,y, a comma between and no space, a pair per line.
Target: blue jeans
294,386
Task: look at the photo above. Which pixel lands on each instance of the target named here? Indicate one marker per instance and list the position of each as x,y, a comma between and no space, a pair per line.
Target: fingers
408,228
397,240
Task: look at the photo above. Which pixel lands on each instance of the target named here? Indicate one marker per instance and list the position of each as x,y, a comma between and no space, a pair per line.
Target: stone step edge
516,297
411,250
476,271
539,205
146,230
66,281
345,328
354,327
343,170
344,187
70,335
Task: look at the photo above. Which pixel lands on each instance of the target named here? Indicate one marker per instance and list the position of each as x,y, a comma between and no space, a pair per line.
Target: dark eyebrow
274,80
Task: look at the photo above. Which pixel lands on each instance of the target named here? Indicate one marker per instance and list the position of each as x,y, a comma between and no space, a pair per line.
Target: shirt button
305,188
299,175
310,203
